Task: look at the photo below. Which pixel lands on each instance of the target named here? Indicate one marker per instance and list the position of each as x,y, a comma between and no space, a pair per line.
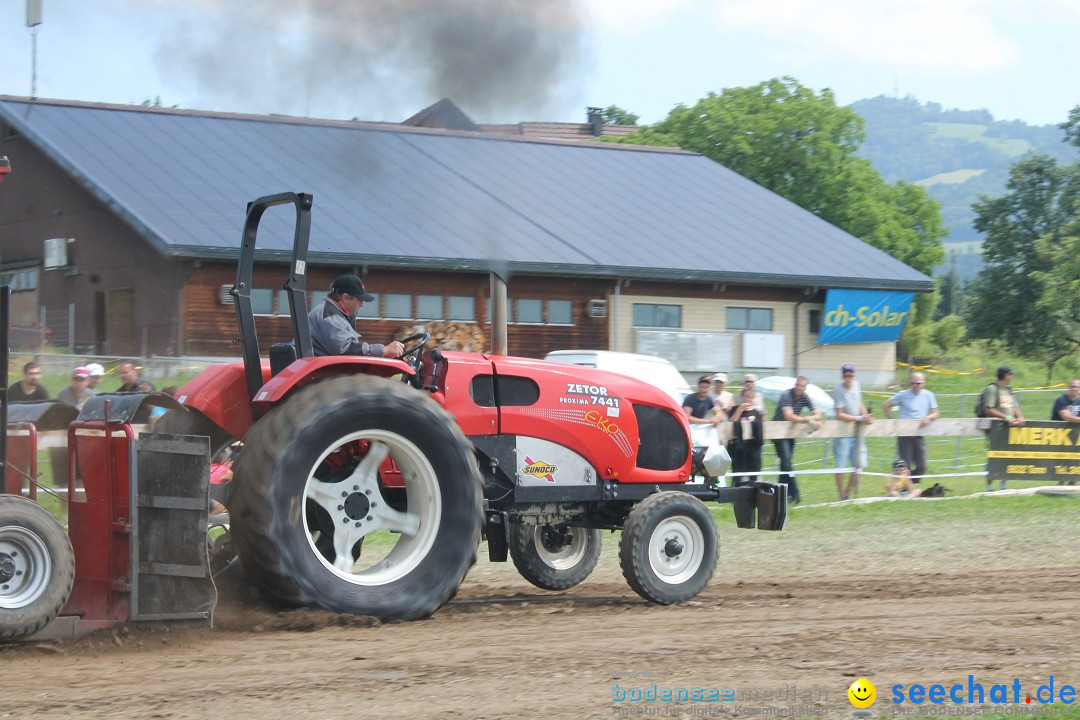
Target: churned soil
503,649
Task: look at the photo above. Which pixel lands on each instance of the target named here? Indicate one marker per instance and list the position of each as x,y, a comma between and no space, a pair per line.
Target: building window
663,316
399,306
282,303
262,301
815,322
19,279
560,312
529,310
462,308
429,307
370,309
749,318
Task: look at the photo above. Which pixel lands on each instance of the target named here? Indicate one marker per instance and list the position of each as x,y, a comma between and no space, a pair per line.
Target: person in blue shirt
698,406
1067,407
915,403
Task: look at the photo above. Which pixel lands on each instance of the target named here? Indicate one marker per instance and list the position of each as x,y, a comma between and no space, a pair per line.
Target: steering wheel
414,345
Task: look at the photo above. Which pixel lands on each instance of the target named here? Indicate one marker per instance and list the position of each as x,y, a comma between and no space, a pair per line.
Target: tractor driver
333,325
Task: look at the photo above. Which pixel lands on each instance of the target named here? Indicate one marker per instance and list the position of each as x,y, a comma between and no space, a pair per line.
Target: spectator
698,406
29,389
792,402
747,437
724,400
915,403
850,451
750,383
1067,407
79,391
899,484
129,374
96,374
998,402
333,324
221,474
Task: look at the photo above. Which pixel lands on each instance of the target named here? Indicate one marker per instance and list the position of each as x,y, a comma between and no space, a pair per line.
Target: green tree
1060,300
801,145
1072,127
951,286
615,115
1028,253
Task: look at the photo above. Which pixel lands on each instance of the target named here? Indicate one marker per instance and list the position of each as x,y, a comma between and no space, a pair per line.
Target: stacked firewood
467,337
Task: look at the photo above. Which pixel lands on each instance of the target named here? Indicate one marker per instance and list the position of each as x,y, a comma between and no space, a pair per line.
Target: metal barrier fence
955,454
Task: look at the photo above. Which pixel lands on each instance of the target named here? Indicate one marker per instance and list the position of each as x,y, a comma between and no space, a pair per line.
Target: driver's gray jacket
334,333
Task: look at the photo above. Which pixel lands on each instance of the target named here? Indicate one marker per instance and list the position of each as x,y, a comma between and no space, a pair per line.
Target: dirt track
504,649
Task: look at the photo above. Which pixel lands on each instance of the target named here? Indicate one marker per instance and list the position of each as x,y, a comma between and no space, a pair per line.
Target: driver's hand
393,349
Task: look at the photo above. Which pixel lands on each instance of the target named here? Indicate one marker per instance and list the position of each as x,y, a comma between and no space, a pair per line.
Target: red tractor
365,484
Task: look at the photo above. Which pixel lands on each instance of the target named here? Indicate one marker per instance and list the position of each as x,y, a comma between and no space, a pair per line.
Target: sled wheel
37,567
669,547
351,460
554,557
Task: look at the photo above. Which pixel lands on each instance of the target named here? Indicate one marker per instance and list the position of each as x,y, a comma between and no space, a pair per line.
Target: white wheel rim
680,567
415,529
569,555
25,567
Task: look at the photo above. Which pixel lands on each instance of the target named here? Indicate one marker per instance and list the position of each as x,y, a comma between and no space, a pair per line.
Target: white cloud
929,35
631,16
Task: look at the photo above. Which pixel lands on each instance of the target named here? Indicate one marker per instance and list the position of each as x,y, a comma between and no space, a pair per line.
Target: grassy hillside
957,155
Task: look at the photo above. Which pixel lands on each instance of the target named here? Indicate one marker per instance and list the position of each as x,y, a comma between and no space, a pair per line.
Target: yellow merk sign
1043,436
1030,455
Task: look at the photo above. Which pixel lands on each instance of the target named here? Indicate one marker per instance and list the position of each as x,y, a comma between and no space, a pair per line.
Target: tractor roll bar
5,305
296,285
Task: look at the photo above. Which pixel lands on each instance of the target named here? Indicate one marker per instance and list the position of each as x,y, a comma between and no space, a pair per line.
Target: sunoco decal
585,394
540,469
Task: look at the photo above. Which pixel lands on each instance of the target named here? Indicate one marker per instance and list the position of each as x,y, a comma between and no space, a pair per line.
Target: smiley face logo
862,693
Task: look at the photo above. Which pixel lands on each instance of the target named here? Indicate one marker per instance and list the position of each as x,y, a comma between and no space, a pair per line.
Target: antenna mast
33,19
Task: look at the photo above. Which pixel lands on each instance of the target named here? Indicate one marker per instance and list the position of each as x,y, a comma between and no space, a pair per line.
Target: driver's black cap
352,285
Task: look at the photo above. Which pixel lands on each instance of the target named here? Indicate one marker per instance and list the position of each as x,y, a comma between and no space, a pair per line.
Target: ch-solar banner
858,316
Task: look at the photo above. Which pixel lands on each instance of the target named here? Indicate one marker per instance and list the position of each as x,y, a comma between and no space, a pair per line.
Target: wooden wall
210,327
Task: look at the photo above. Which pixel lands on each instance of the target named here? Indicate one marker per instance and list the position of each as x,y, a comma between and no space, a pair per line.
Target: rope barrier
848,470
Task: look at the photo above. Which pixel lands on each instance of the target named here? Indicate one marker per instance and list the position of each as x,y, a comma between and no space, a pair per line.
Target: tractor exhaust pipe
498,314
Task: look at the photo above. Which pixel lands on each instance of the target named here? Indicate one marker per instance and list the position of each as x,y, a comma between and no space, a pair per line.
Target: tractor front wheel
554,557
37,567
357,495
669,547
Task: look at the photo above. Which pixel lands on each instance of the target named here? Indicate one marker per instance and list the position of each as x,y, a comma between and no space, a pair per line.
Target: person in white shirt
915,403
750,383
723,400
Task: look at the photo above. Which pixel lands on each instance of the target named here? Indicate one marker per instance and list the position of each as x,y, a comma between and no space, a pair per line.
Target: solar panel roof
407,197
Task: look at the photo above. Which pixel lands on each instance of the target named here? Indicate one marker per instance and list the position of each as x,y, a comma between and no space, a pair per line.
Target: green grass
906,536
976,133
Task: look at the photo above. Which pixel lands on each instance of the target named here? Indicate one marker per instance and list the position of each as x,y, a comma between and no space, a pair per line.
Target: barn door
120,321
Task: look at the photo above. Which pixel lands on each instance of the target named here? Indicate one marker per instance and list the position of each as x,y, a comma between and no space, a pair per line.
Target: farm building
126,221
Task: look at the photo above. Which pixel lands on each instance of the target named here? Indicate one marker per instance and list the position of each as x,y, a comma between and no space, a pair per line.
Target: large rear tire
37,567
669,547
554,557
318,477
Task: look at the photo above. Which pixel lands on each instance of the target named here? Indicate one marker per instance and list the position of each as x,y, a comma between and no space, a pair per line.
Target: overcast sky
511,60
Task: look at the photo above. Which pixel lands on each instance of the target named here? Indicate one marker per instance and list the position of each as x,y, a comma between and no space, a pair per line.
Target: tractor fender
308,370
220,392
